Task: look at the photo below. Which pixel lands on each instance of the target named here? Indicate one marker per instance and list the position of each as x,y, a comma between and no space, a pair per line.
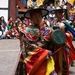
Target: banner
71,2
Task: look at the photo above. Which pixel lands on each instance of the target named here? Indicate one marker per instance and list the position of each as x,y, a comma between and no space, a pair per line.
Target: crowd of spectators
11,28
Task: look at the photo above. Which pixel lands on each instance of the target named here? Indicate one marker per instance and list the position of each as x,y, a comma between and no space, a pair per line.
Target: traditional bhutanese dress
37,60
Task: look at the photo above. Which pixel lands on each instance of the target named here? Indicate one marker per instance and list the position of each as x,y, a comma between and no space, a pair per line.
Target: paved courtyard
10,54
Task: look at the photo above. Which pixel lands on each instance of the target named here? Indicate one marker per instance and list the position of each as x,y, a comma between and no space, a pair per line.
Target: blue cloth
24,2
67,51
5,24
2,35
50,9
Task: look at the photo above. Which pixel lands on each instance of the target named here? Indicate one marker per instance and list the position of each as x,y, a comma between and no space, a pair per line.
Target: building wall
13,9
4,9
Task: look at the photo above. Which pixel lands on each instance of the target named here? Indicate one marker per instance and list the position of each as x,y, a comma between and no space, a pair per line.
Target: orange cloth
36,62
69,43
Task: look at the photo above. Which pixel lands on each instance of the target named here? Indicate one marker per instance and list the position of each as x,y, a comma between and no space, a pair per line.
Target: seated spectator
46,22
10,25
2,31
14,25
10,20
17,20
72,13
63,5
26,21
12,33
50,7
58,5
3,21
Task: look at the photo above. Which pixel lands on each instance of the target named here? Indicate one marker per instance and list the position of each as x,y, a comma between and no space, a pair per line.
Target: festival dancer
67,50
36,56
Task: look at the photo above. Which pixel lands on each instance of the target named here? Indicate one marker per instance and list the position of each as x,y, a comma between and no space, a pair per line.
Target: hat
61,12
41,11
58,11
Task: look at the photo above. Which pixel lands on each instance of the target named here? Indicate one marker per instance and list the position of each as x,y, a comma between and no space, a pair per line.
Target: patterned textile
71,52
45,33
37,64
31,33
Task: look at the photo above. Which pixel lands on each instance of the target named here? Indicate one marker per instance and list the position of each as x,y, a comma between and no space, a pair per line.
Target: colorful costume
37,59
63,53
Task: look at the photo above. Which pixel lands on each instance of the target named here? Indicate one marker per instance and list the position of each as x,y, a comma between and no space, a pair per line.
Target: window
4,7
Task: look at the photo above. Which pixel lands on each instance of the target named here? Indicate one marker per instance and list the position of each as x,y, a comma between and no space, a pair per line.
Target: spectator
50,7
20,25
26,21
72,13
58,5
14,25
10,20
10,25
2,30
17,20
46,22
12,33
3,21
63,6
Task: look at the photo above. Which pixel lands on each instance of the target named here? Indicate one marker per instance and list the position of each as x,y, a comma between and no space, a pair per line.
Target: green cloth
8,27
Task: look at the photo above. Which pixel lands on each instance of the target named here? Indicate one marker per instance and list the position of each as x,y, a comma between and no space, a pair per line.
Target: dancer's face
36,18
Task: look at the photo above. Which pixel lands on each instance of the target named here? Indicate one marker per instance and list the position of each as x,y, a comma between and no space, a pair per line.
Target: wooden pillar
13,9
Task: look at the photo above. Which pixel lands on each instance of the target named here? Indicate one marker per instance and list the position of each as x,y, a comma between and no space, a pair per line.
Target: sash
37,64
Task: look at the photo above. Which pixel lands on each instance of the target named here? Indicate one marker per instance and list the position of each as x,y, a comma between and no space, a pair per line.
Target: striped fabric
37,64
